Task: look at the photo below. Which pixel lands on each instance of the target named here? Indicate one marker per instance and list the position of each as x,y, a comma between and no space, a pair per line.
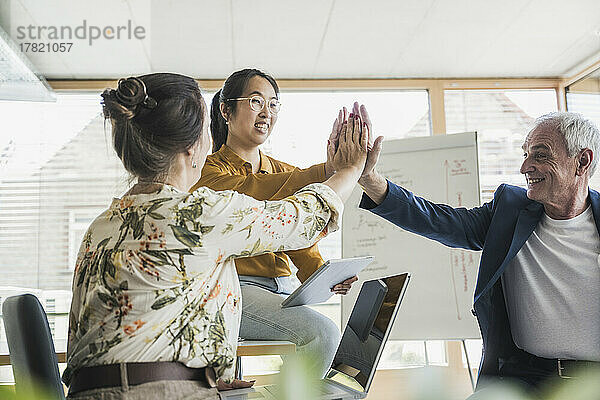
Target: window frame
434,87
565,83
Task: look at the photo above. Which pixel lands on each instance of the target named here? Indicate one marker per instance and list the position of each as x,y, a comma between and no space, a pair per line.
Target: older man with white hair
537,298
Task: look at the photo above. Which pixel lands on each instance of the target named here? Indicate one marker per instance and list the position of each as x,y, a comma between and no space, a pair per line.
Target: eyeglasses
257,103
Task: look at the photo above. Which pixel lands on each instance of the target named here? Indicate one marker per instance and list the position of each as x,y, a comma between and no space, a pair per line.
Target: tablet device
317,288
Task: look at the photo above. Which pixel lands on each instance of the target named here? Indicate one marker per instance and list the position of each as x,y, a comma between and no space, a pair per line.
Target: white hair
579,133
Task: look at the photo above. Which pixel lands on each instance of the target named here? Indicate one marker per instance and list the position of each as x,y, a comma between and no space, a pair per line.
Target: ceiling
318,38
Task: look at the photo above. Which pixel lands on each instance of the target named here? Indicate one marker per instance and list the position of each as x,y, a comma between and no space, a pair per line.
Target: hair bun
132,92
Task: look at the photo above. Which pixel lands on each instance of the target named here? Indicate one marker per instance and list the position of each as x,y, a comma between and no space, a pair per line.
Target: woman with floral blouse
156,299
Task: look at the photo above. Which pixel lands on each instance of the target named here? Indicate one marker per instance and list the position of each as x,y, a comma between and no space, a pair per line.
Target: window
502,119
583,97
56,167
51,309
79,221
56,160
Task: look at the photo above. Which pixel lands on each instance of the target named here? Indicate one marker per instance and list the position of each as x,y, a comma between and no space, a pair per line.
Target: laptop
358,353
317,288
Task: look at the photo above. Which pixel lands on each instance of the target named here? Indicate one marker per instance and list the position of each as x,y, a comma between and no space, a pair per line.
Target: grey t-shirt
552,290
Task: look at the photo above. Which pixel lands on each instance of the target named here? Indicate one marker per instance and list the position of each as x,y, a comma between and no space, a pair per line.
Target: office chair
31,348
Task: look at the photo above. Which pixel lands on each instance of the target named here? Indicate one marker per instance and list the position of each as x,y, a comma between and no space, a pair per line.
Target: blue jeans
264,319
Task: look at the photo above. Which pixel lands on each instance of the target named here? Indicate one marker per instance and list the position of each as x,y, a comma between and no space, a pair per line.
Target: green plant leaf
82,271
111,269
256,247
163,301
228,228
159,201
188,334
206,229
216,332
185,252
155,206
189,239
305,206
138,228
155,215
158,254
108,299
320,223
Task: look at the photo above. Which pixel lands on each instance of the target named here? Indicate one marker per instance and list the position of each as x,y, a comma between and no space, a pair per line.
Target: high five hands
346,126
350,150
360,117
347,147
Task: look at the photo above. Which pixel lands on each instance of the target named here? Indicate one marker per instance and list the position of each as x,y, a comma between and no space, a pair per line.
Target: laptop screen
367,330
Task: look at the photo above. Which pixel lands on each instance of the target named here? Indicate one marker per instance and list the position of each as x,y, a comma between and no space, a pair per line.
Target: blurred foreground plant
31,393
298,381
585,387
298,378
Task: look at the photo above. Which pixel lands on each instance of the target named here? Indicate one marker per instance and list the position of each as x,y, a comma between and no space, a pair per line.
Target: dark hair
233,88
154,117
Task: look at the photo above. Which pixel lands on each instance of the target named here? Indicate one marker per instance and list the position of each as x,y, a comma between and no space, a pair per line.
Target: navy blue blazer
500,228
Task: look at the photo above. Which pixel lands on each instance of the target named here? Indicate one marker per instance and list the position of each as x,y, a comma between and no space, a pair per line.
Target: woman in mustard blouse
243,114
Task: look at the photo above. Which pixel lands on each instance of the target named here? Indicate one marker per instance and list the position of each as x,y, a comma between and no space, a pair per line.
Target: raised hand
352,145
332,142
373,145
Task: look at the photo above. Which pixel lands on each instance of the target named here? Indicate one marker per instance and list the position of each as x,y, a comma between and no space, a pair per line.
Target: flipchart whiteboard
439,298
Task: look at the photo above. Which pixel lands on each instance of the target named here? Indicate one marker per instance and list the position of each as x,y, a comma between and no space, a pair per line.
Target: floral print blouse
155,278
